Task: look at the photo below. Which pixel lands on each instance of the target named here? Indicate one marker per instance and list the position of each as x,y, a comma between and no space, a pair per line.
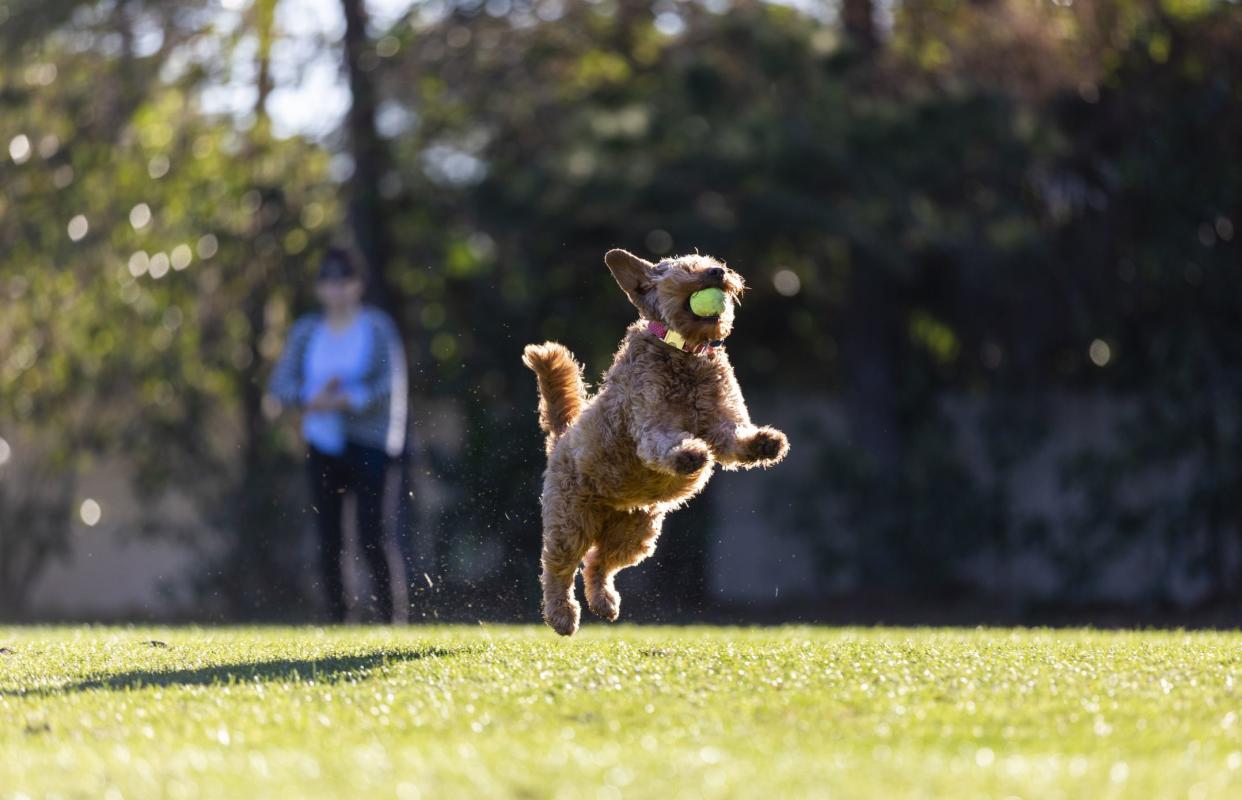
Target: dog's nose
715,272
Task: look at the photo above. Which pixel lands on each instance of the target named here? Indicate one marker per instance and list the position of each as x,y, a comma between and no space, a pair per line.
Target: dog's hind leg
566,537
626,539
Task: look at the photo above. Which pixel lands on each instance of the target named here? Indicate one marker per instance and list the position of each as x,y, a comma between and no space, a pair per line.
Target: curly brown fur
647,441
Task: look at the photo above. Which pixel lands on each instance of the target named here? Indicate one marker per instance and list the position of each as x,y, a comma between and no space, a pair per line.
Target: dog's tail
561,390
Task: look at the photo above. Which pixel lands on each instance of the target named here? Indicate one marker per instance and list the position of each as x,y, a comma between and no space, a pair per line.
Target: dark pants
361,470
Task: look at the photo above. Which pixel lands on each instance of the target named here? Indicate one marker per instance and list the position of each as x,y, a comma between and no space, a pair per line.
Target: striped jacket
380,421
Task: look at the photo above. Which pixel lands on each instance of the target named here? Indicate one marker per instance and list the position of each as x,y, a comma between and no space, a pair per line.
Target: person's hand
329,398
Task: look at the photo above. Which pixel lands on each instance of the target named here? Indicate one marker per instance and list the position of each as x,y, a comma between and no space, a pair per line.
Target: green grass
618,712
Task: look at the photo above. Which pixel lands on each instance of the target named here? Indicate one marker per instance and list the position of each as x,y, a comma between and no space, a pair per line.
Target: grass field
617,712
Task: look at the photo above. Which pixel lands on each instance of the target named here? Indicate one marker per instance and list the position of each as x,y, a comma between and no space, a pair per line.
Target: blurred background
992,248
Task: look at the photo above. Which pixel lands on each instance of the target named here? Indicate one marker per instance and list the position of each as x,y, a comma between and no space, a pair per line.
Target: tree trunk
268,586
858,19
369,221
367,216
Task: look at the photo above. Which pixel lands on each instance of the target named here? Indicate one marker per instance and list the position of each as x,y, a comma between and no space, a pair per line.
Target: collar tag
674,339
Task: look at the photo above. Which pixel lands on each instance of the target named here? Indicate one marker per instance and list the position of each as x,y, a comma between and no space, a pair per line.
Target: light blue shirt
344,356
378,403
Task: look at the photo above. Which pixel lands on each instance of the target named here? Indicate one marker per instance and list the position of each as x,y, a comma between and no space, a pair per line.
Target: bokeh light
140,216
158,266
78,227
787,282
207,246
49,145
19,148
158,167
181,257
62,176
659,242
138,263
1100,353
6,452
90,512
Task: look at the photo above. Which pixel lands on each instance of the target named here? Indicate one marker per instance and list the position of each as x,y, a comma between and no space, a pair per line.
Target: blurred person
344,368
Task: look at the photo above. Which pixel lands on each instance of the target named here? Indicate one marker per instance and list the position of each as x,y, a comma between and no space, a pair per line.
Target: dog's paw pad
767,445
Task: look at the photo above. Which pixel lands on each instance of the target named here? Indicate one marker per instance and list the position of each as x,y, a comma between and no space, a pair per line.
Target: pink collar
674,339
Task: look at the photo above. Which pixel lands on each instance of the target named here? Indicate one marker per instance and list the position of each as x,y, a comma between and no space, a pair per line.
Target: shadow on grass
327,669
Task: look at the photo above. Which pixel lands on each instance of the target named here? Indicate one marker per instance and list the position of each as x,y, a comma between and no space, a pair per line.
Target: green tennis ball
707,302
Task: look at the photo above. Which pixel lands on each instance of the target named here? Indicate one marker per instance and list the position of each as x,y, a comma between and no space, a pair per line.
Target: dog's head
661,292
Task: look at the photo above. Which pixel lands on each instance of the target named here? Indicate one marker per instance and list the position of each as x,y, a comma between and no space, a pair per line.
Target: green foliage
149,256
1002,196
1003,202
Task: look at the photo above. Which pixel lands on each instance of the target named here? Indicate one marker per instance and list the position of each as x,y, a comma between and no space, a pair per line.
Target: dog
668,410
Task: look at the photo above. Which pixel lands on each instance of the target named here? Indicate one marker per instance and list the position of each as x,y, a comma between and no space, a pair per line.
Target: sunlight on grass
620,712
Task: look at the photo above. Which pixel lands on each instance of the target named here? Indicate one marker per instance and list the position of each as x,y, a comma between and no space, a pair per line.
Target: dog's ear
633,275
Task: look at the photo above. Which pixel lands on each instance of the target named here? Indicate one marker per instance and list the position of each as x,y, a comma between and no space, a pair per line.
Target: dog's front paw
562,616
689,457
767,446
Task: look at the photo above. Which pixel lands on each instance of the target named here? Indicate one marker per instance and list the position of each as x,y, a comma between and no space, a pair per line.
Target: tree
368,213
858,19
144,250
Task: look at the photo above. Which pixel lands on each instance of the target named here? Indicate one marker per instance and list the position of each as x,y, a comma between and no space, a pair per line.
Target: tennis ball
707,302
